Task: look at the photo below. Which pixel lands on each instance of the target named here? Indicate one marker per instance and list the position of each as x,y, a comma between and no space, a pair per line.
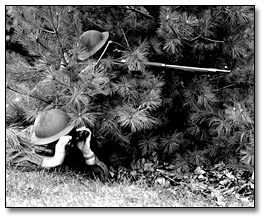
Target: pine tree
135,110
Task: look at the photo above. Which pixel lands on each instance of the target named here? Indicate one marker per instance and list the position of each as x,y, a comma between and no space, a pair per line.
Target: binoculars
77,136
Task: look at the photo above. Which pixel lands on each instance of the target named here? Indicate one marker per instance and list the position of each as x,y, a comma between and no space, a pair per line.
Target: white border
260,214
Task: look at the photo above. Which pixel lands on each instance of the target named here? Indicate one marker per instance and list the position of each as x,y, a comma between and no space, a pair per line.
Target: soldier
52,130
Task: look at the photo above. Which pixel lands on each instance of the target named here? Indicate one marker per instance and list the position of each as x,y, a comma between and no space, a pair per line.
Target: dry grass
50,189
46,188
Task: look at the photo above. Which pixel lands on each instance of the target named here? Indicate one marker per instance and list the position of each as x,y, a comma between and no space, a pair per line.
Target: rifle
157,64
186,68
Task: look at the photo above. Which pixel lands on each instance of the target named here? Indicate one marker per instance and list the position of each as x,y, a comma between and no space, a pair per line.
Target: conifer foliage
136,111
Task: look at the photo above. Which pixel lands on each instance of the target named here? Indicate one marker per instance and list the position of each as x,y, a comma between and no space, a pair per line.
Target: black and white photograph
138,106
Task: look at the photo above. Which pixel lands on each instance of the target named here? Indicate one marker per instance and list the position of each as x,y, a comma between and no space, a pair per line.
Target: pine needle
20,150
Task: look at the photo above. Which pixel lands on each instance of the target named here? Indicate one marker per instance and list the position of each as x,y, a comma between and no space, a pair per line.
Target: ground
46,188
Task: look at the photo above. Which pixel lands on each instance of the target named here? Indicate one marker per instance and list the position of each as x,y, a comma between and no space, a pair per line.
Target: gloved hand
59,155
84,146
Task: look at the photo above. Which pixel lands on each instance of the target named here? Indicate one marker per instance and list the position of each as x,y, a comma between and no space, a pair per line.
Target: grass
46,188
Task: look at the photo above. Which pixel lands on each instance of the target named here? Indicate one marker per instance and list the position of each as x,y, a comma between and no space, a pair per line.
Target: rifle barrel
186,68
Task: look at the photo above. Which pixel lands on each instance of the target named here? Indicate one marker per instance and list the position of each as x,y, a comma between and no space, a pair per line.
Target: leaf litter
219,183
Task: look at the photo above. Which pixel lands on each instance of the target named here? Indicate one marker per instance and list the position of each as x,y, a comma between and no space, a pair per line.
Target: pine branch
45,47
230,85
216,41
47,31
147,144
126,86
200,36
124,36
170,142
80,116
123,104
16,116
135,59
134,119
151,100
140,12
109,126
153,10
32,96
56,29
